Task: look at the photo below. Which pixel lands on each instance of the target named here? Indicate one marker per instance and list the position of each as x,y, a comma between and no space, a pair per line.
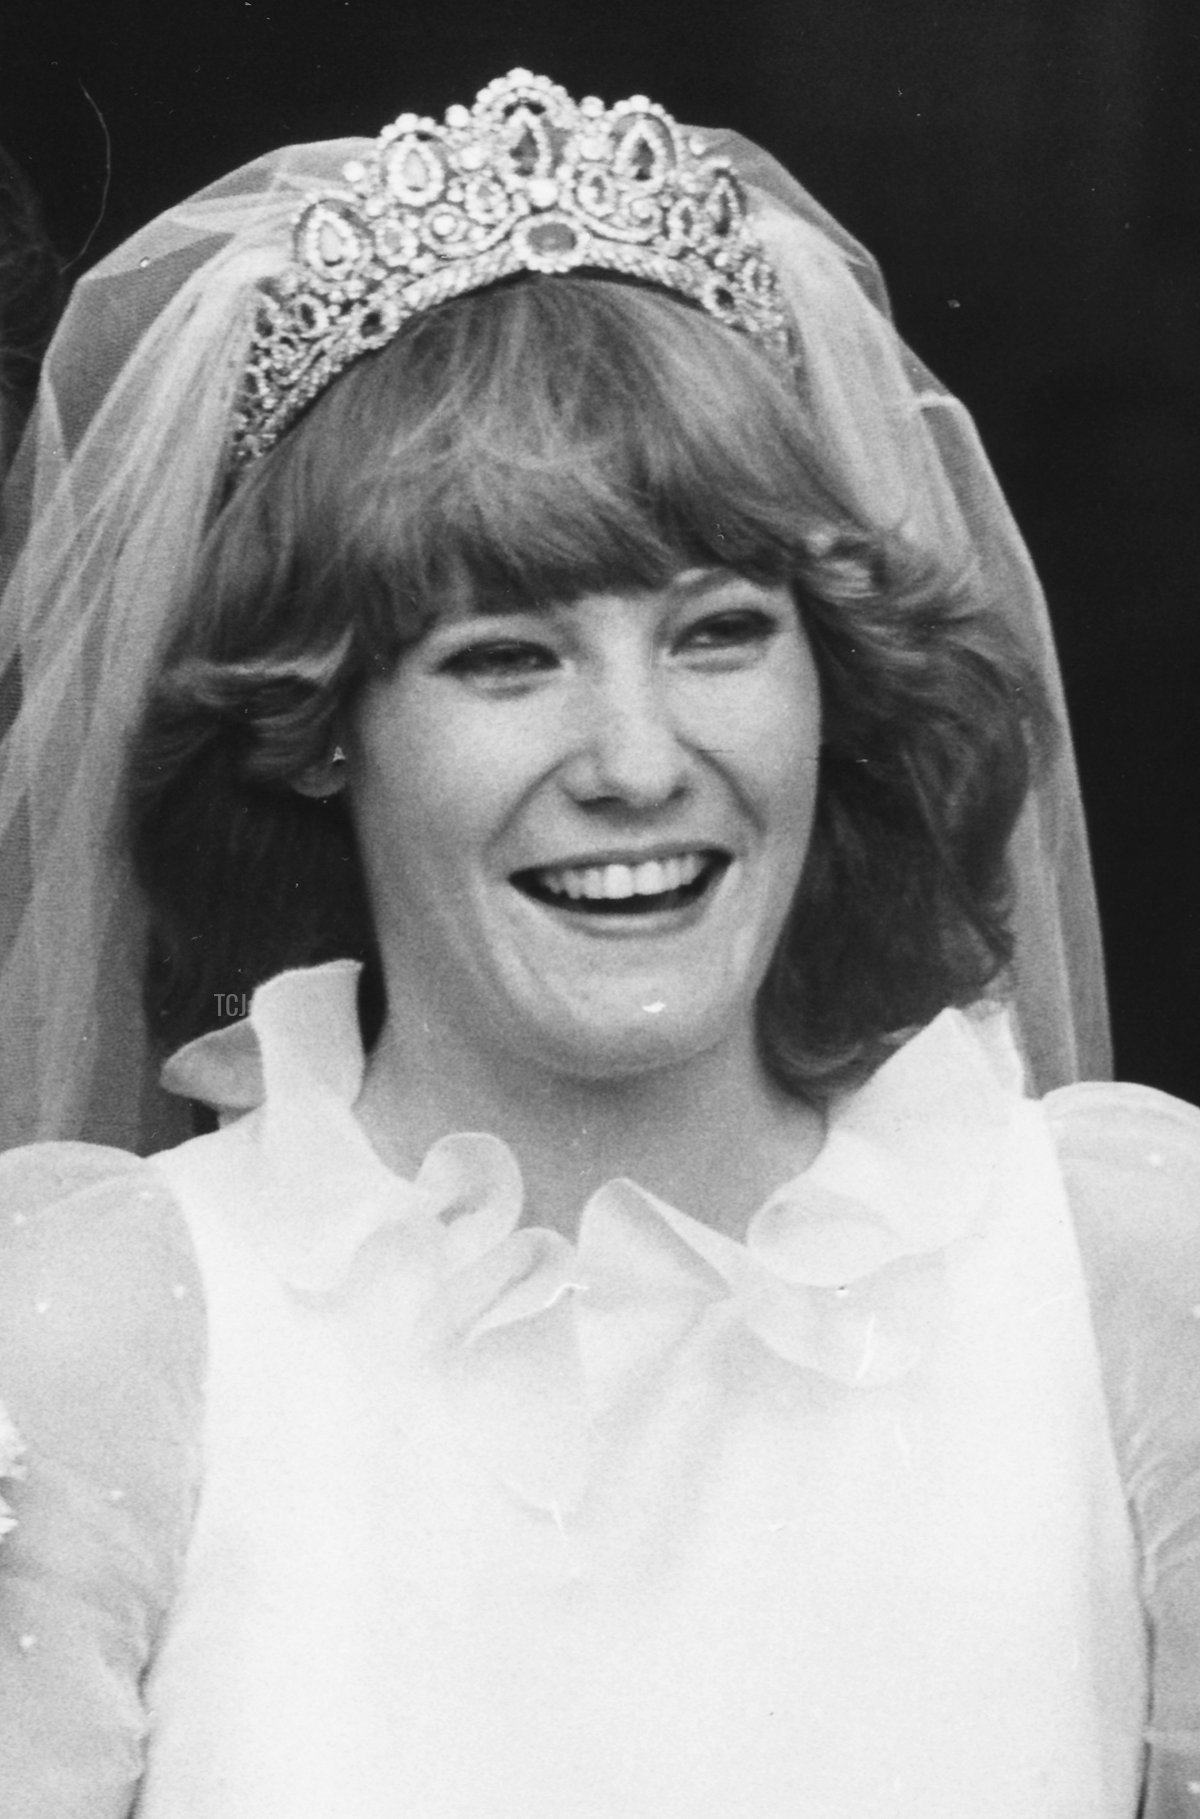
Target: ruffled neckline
841,1271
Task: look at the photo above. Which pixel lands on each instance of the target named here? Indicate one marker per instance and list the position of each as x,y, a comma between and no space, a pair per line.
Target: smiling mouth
616,889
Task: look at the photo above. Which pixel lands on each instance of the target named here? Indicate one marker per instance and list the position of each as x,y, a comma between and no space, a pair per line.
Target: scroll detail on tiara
525,181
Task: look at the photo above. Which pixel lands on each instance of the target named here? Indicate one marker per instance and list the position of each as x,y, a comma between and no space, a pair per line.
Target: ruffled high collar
841,1271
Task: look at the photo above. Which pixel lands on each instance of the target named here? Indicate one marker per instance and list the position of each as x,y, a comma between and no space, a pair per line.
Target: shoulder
85,1230
1130,1158
1126,1127
78,1184
101,1310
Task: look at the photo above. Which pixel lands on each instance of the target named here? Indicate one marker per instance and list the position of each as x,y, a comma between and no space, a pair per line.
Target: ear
325,779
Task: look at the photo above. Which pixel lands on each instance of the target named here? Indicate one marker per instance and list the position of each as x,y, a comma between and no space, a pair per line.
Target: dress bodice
657,1522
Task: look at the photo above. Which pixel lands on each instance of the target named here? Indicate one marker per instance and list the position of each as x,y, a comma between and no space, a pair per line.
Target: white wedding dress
349,1497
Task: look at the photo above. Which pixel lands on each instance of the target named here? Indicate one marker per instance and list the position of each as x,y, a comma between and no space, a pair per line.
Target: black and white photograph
599,931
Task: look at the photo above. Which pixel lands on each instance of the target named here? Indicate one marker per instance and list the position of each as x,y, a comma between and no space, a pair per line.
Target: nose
630,750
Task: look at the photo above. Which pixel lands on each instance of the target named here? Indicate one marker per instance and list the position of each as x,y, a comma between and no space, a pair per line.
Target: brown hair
533,442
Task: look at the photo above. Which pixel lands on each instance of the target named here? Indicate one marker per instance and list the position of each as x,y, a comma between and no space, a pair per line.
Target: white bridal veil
105,511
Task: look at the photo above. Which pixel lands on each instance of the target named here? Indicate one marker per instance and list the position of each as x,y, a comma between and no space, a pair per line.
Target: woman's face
583,827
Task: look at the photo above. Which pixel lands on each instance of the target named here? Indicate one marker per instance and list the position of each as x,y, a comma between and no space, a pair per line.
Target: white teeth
652,878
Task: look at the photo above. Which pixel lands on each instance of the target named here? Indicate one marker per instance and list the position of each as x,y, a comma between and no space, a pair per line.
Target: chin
626,1048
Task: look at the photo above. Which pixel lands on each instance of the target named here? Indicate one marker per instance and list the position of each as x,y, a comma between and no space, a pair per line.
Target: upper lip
631,856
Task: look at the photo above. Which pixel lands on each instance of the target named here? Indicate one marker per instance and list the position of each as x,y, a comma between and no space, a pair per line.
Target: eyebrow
696,584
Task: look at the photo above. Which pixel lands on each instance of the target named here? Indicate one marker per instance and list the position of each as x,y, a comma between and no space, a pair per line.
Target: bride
612,1332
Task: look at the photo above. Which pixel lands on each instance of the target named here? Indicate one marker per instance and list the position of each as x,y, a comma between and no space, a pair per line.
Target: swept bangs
535,442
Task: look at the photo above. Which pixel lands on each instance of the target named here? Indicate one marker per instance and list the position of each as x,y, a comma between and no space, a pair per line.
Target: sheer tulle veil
104,513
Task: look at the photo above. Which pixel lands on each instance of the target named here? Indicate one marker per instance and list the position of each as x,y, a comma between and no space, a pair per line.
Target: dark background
1026,170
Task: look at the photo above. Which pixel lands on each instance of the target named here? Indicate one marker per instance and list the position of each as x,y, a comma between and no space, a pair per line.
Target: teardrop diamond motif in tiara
526,180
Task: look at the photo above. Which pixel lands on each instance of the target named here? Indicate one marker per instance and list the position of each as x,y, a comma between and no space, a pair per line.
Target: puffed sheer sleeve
101,1355
1131,1158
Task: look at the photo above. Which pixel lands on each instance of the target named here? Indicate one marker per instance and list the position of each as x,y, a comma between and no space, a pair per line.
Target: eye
737,632
496,661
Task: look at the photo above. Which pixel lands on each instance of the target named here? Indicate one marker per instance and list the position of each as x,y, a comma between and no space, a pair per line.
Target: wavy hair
538,441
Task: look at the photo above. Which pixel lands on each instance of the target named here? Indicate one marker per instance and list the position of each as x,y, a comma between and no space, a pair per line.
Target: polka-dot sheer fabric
101,1362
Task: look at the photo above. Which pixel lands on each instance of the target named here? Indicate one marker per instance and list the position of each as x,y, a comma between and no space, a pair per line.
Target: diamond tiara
527,180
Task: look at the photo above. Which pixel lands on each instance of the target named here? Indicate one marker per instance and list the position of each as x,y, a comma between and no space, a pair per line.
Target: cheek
399,787
431,783
783,752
